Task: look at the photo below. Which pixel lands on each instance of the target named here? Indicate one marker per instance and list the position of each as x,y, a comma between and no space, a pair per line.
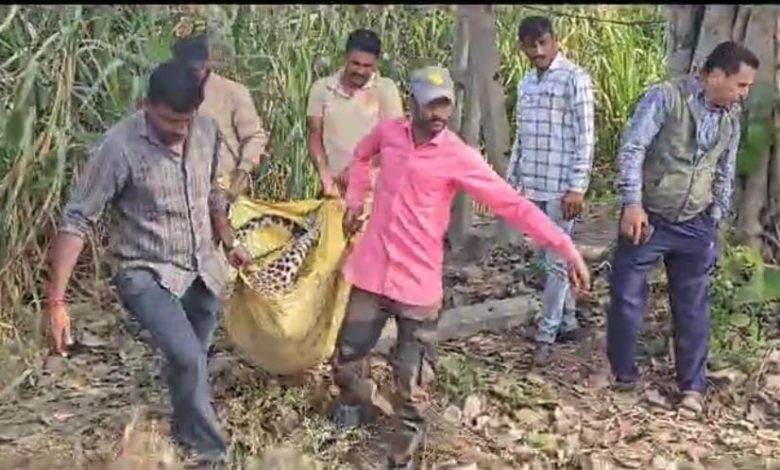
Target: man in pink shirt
396,267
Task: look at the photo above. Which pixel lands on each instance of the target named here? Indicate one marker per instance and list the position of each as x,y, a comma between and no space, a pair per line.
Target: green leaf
136,88
756,141
761,101
740,320
771,284
158,48
14,127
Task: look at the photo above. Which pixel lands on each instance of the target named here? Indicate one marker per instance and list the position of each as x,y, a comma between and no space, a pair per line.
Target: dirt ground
105,405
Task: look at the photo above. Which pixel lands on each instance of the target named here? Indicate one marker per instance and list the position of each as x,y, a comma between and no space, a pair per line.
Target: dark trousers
689,252
414,361
182,328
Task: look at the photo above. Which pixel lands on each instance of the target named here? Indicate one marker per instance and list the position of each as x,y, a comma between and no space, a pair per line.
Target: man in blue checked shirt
551,161
677,168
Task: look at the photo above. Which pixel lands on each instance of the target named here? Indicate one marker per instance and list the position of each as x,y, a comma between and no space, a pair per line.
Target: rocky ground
106,406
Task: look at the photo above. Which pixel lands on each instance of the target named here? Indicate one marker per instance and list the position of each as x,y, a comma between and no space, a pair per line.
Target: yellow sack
285,310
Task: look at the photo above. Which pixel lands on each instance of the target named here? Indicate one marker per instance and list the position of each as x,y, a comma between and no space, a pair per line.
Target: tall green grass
67,73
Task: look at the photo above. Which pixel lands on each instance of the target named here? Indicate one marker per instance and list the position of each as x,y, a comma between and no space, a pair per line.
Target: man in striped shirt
157,169
551,161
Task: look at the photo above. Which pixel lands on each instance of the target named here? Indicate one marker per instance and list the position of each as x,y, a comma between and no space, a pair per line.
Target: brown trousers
414,362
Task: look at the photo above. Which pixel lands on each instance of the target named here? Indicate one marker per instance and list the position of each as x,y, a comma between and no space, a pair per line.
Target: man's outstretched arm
476,177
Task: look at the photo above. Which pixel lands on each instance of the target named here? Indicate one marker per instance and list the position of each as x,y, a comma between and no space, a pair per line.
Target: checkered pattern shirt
555,139
162,203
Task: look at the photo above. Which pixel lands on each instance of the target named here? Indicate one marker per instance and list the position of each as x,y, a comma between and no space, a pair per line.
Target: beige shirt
347,119
230,105
162,203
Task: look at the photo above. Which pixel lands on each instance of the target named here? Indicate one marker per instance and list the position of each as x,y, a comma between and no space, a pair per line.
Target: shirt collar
334,82
697,89
558,62
146,131
436,141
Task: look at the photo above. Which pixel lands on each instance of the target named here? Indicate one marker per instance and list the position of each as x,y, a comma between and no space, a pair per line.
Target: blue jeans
182,328
559,310
689,251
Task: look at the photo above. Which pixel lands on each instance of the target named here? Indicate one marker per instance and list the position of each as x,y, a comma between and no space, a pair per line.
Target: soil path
492,407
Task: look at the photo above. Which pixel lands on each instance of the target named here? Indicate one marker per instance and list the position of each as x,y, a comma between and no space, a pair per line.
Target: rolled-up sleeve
249,130
101,179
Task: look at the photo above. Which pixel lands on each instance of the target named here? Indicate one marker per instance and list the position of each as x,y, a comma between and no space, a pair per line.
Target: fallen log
462,322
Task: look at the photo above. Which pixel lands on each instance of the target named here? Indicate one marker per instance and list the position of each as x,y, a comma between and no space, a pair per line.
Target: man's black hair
729,57
192,49
534,27
176,86
364,40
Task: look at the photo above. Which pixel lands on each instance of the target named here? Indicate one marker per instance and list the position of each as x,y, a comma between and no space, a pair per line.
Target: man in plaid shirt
551,161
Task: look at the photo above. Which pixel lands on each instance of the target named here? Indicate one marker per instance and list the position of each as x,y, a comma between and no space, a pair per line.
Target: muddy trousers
182,328
414,362
689,252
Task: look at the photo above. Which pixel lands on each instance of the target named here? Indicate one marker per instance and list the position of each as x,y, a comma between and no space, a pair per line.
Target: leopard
278,276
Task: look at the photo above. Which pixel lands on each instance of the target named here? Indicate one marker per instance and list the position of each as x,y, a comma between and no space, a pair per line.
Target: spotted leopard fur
279,275
264,221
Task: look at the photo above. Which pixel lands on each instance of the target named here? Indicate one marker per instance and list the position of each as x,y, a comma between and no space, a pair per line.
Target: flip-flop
400,466
692,403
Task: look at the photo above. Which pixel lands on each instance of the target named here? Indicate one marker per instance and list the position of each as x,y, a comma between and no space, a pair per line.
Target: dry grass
144,447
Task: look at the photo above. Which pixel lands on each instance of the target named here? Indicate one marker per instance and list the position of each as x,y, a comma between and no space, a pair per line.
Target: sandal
392,465
692,403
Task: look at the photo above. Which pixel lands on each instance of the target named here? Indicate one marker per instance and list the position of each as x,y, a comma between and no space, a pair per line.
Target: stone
472,407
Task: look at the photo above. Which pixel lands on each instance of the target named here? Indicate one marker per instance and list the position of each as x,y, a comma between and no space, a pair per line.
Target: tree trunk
464,121
682,37
486,63
756,193
476,64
